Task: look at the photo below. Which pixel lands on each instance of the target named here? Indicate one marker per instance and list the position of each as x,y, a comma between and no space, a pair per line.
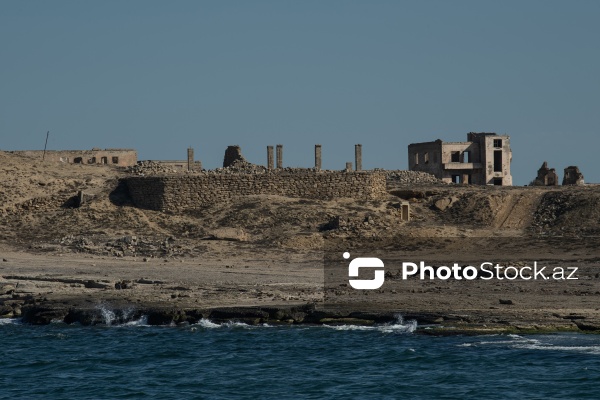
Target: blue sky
160,76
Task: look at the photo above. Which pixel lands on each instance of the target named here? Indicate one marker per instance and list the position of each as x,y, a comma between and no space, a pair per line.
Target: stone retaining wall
178,193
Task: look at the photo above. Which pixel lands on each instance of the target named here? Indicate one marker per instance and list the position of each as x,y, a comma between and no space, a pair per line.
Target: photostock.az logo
365,262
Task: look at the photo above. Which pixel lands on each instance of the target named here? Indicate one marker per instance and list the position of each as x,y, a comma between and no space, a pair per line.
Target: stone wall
117,157
179,193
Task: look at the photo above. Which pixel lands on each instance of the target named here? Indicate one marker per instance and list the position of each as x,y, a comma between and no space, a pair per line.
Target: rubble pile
411,177
145,168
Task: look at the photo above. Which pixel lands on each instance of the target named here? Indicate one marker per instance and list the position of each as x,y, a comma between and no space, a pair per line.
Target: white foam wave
143,321
9,321
400,326
235,324
108,315
523,342
205,323
551,347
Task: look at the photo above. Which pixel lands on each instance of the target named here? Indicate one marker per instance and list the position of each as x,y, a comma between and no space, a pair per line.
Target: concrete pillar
358,157
270,157
318,156
349,166
190,158
279,156
80,199
405,211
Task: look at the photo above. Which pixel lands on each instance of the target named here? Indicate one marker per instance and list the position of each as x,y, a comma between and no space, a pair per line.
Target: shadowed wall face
179,193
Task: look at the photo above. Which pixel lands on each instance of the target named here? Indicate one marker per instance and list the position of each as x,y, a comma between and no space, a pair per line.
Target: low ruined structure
232,154
484,159
573,176
117,157
184,192
177,165
546,176
163,191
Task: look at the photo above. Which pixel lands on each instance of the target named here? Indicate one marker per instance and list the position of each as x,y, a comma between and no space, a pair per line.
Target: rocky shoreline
430,323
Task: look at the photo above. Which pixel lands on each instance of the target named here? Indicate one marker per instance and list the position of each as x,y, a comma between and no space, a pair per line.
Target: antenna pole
46,145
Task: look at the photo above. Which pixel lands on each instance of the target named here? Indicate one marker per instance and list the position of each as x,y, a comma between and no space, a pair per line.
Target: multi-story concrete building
484,159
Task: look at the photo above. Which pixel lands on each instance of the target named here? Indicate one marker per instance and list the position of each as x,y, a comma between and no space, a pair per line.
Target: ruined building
117,157
484,159
546,176
573,176
180,165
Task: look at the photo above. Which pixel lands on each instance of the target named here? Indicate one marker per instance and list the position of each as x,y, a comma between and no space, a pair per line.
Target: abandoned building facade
117,157
484,159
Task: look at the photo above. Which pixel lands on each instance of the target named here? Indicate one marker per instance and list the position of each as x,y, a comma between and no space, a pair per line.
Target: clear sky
159,76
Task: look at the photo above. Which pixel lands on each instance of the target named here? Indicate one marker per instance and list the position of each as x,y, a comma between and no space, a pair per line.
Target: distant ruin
182,165
546,176
484,159
573,176
117,157
232,154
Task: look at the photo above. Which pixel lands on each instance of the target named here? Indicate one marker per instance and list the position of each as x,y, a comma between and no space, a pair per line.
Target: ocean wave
547,343
399,326
9,321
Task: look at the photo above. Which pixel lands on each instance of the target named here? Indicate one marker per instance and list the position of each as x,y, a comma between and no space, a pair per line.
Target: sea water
233,360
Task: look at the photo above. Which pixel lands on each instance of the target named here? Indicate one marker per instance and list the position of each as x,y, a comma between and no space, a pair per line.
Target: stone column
349,166
358,157
318,156
269,157
279,156
190,158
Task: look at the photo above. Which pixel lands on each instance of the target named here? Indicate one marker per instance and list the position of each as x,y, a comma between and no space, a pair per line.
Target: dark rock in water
84,317
249,315
42,315
169,316
160,317
587,325
507,302
377,317
6,311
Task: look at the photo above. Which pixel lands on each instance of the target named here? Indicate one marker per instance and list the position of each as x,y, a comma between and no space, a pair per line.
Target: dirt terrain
59,260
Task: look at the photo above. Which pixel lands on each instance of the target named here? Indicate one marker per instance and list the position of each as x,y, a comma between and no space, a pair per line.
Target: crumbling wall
546,176
573,176
179,193
232,154
118,157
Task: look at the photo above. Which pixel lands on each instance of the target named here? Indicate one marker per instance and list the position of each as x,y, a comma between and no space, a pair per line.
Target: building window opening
456,179
104,160
115,160
467,157
455,156
416,158
497,181
426,158
497,143
497,160
78,160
